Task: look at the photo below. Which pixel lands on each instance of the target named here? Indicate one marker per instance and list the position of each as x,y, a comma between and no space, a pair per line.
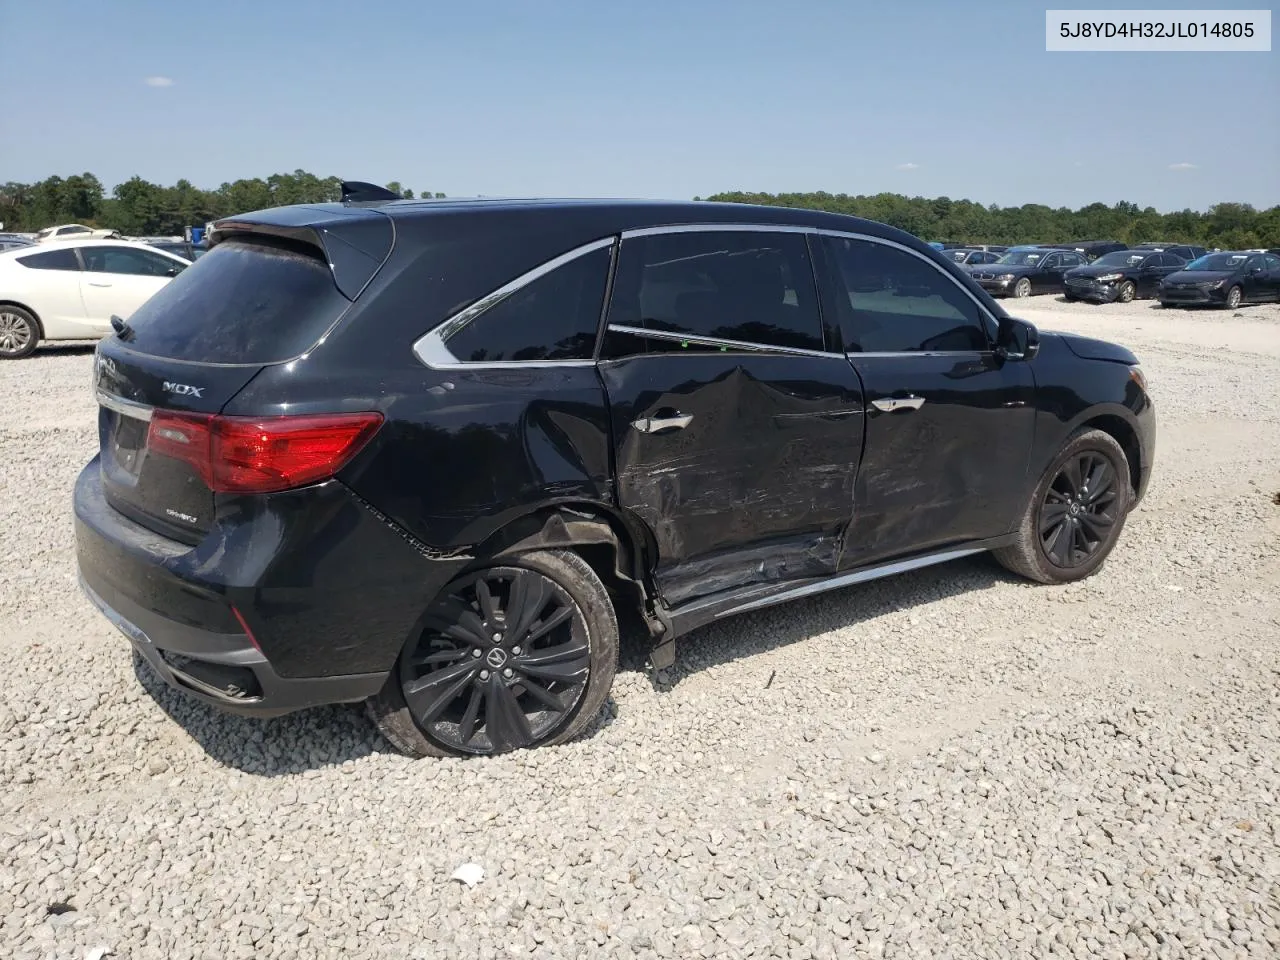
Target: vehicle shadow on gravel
289,745
749,634
280,746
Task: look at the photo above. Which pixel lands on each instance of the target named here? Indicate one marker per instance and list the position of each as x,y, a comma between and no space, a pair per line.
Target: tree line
139,207
1229,226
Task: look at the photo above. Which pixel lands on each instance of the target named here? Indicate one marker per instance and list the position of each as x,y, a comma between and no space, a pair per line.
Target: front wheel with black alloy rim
1127,292
515,655
1234,296
19,333
1075,514
1022,288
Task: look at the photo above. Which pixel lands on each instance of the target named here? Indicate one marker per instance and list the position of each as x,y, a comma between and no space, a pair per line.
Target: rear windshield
246,301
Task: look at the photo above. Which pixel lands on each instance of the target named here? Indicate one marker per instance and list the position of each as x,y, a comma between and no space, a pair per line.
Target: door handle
94,283
662,424
891,404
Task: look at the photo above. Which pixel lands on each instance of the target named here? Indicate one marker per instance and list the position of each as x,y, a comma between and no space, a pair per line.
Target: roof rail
357,191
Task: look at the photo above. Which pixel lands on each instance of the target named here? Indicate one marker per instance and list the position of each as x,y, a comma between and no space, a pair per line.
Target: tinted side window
727,285
70,231
1273,263
895,302
53,260
139,263
553,318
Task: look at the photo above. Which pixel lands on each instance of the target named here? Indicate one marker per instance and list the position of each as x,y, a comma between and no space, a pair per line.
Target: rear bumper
292,600
223,670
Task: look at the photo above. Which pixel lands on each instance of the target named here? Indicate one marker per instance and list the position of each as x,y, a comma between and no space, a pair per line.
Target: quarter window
52,260
755,288
555,317
894,302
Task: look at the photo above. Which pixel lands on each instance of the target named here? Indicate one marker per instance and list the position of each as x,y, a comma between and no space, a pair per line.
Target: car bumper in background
1097,292
1192,296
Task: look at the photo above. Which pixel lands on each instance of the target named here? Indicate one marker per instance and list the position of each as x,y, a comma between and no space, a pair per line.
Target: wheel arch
7,302
619,549
1118,423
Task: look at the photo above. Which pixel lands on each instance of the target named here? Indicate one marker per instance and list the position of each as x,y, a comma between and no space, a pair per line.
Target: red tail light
251,455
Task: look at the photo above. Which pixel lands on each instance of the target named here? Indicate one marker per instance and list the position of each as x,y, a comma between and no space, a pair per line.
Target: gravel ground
949,764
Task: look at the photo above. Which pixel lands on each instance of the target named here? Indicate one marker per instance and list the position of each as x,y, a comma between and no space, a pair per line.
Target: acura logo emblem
496,657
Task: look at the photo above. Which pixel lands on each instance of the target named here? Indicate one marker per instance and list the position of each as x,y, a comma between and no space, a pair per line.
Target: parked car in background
966,257
1092,249
1186,251
1121,276
1223,280
440,510
74,231
182,248
1027,270
12,242
72,290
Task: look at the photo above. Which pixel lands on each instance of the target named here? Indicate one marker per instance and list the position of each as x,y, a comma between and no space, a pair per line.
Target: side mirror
1017,340
173,271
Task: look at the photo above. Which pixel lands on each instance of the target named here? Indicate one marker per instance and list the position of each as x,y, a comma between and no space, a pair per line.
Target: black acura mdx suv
420,453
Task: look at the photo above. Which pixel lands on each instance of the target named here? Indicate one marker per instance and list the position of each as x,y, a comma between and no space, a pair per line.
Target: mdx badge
182,389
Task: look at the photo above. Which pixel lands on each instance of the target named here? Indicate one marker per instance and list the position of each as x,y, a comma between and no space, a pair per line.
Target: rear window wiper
122,328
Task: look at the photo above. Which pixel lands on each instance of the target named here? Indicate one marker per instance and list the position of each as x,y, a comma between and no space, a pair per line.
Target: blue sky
650,99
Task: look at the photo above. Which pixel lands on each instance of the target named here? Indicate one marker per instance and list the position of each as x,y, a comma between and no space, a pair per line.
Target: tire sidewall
396,721
1236,294
1128,292
1095,441
1022,288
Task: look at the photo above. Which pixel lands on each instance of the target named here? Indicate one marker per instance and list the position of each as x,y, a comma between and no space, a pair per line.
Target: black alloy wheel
1079,510
501,665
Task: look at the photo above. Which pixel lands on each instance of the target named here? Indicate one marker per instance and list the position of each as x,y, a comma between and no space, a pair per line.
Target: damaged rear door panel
737,434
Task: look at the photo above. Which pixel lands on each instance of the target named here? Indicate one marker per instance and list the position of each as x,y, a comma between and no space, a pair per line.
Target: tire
1127,292
19,333
1029,555
1022,288
474,678
1234,298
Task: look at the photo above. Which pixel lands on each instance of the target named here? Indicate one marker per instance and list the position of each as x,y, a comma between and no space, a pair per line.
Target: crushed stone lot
953,763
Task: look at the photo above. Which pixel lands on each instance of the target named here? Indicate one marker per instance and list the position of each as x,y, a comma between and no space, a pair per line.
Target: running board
705,610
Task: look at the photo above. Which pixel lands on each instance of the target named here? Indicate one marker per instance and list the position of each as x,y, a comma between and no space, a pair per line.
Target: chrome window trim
432,350
126,408
736,345
717,228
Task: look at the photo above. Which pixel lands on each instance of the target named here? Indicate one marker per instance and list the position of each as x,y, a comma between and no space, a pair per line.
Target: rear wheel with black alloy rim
1127,292
1022,288
510,656
19,333
1075,514
1234,296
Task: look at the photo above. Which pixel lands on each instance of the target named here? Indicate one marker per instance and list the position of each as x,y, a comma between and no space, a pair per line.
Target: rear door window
247,301
718,286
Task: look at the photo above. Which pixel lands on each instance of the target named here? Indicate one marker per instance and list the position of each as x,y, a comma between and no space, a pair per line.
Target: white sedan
71,290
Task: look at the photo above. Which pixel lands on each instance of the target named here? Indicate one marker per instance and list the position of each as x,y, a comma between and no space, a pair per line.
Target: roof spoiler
357,191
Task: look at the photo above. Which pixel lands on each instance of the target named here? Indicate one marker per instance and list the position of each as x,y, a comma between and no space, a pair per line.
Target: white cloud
159,81
908,166
1182,166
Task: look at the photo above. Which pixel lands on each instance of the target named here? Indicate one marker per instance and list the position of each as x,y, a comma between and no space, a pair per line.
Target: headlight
1217,285
1005,276
1138,377
1110,278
